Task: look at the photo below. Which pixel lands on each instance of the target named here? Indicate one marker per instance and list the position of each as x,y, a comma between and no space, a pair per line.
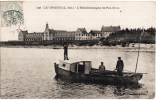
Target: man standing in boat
65,47
119,66
101,68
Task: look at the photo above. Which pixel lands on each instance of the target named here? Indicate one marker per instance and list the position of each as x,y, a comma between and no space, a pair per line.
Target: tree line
123,38
133,35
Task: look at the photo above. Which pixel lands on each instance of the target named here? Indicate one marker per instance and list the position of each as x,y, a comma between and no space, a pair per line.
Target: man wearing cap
119,66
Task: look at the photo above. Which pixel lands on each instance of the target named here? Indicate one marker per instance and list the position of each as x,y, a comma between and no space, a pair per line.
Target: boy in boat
119,66
101,68
65,47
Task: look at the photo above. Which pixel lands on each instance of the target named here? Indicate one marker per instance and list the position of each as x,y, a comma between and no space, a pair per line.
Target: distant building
96,35
59,34
63,35
107,30
70,35
21,35
25,36
48,33
81,34
36,36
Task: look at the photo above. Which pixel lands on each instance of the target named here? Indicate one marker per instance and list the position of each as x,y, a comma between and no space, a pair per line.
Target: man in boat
65,47
119,66
101,68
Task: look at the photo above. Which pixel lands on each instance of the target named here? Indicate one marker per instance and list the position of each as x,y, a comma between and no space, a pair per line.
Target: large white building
107,30
104,32
79,34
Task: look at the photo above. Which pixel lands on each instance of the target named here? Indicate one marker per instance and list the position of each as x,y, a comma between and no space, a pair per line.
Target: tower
46,32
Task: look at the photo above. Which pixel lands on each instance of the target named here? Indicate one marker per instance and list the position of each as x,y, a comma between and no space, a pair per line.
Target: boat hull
96,78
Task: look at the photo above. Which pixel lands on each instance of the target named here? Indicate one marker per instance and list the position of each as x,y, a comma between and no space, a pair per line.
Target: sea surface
29,73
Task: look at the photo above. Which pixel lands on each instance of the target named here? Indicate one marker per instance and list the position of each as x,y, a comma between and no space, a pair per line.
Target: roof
83,30
24,32
93,32
60,31
110,28
36,33
51,31
71,31
72,61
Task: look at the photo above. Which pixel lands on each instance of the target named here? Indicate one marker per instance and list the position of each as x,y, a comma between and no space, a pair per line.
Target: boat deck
107,73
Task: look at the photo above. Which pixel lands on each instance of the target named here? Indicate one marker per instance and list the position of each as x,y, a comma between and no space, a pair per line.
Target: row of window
78,37
69,34
61,37
83,35
21,39
33,39
64,39
56,39
31,34
48,38
88,35
83,38
64,34
49,35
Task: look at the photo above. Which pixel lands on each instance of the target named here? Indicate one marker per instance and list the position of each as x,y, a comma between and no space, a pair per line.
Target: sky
126,14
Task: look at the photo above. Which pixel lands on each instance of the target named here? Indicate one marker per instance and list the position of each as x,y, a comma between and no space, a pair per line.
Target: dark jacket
119,65
65,49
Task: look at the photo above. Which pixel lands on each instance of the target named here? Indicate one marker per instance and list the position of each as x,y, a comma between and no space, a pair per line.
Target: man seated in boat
101,68
119,66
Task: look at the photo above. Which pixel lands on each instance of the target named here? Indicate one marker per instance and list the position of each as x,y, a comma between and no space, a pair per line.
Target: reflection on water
89,90
99,89
29,73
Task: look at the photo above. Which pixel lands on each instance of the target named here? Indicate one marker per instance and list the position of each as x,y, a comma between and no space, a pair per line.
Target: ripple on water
29,73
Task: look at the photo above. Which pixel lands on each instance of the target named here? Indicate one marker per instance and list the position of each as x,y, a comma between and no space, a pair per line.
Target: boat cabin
77,67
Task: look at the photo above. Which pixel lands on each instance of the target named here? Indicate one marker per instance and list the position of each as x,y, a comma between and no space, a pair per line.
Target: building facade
25,36
63,35
81,34
60,35
21,35
107,30
48,33
96,35
36,36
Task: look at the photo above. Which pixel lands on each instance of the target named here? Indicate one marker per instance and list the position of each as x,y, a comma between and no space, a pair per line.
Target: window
81,67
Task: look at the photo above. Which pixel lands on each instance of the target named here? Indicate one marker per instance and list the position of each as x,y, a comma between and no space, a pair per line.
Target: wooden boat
82,71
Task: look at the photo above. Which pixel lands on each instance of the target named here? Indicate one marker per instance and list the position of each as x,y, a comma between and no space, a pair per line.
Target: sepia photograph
77,49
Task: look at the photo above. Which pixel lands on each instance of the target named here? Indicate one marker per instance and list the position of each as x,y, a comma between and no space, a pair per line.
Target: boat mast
138,51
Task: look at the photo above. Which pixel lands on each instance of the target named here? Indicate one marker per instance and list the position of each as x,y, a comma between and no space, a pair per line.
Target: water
29,73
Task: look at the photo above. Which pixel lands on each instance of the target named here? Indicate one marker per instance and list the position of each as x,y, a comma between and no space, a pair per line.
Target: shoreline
147,48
